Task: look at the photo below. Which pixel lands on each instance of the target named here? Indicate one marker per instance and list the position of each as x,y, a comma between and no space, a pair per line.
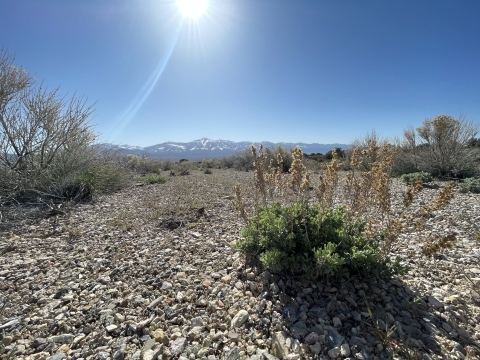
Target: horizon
316,72
241,141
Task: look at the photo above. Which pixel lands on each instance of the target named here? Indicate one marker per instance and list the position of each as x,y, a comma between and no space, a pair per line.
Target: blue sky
279,70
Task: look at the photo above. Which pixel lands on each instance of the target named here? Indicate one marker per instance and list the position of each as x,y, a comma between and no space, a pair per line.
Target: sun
192,8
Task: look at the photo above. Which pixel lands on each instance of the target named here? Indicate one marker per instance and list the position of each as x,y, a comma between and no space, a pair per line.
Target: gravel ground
149,273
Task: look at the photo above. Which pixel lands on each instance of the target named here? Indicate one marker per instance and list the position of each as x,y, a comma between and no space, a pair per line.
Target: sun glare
192,8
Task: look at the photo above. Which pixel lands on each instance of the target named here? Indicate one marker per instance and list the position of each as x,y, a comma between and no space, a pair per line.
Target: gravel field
150,273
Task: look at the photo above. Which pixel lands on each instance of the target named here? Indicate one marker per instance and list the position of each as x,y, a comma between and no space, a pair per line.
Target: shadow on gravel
363,318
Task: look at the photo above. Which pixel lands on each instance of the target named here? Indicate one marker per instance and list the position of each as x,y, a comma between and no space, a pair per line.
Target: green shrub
470,184
154,179
291,238
207,171
411,178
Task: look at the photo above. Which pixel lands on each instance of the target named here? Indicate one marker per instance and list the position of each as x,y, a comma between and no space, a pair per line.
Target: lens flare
192,8
136,104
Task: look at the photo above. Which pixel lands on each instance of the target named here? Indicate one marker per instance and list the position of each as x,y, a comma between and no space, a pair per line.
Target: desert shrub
208,164
183,168
345,227
411,178
442,146
243,160
47,147
329,154
154,179
207,171
290,238
105,174
144,164
470,185
167,165
313,165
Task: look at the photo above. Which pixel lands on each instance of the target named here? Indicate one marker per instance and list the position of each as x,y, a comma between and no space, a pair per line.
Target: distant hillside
209,149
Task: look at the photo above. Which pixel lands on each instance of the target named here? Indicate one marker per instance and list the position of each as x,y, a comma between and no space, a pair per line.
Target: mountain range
209,149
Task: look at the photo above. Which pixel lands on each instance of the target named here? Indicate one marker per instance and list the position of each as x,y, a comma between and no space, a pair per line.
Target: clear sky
279,70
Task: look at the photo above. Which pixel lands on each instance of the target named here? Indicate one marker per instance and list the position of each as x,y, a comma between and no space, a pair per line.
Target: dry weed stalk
239,204
368,192
328,183
260,183
297,170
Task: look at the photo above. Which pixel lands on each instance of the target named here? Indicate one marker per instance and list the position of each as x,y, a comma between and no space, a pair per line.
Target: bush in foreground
347,227
290,238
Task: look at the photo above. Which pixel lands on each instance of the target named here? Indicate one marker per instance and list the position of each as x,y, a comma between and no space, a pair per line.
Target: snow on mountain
207,149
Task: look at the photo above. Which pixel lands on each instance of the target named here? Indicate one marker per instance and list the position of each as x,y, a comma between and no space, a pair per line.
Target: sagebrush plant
470,185
342,227
413,177
154,179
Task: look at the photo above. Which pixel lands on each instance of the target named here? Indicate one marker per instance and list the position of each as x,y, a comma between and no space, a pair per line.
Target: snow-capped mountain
208,149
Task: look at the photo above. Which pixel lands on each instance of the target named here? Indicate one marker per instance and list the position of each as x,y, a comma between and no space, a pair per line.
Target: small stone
226,279
233,336
337,322
233,354
334,339
166,286
61,339
206,283
298,330
334,353
345,350
196,321
181,275
111,328
7,340
279,346
434,302
239,319
59,356
318,312
158,335
274,288
316,348
178,345
103,355
312,338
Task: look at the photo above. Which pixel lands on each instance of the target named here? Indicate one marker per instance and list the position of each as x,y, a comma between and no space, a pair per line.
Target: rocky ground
150,273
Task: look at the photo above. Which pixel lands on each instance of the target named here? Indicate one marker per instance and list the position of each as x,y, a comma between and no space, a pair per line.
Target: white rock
345,350
239,319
